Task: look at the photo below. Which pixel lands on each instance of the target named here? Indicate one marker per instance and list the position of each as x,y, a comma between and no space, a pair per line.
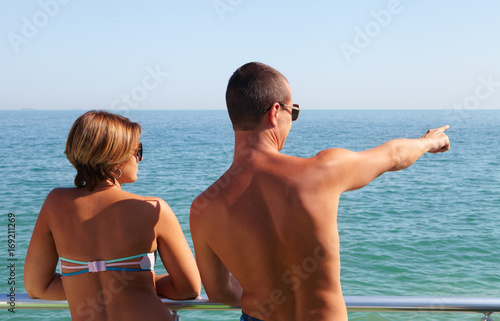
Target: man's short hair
253,88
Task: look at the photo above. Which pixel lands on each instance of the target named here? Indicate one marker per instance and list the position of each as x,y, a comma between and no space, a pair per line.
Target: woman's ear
117,172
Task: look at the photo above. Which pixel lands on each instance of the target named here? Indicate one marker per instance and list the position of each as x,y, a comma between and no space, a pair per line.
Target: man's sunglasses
295,110
139,153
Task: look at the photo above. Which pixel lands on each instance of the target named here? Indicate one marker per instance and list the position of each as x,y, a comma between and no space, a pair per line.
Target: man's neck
255,141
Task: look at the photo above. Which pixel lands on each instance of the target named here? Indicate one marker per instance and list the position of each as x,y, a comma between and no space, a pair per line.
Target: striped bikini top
146,263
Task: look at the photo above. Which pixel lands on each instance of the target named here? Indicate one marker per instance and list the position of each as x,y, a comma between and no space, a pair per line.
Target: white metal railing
486,306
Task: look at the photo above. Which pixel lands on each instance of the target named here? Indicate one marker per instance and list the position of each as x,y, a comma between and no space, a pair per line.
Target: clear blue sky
76,54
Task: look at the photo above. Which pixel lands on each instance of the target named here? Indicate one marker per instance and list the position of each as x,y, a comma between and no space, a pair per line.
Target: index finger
444,128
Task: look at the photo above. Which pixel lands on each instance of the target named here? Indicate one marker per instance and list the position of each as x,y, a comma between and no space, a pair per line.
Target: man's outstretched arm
353,170
434,141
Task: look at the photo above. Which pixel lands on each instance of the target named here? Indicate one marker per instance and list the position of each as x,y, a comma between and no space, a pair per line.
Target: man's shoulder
332,153
331,158
204,213
325,156
208,201
214,200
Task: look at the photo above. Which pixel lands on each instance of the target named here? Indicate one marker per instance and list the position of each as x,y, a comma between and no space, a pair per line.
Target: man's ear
273,114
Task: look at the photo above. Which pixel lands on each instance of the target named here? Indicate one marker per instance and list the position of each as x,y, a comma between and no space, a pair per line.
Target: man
265,233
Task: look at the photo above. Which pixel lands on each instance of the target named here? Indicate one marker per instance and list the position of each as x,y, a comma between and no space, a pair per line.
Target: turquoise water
431,230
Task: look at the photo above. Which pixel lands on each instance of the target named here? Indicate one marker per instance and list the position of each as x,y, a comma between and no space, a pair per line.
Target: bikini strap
146,263
108,261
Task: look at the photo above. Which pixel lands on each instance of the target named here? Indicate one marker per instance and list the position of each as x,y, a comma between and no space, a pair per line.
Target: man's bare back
271,220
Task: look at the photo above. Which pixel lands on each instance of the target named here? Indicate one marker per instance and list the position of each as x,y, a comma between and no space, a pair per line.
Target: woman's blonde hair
97,142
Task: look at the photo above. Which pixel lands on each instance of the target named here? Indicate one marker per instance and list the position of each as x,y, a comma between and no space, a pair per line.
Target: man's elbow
223,297
216,297
219,299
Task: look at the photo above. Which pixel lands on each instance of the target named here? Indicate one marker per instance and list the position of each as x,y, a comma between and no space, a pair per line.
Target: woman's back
106,224
102,224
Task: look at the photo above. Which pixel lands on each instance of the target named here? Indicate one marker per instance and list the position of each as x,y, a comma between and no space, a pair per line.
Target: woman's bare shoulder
152,204
58,195
151,200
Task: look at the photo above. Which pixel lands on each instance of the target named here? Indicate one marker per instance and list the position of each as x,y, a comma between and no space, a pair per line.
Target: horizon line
224,109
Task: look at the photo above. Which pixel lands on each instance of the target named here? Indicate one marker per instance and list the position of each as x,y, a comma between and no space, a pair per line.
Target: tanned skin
265,233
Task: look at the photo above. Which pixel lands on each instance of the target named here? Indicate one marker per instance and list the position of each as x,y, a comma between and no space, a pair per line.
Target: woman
104,238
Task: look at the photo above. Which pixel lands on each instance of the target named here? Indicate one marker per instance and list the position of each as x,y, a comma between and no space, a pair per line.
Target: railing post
176,316
487,316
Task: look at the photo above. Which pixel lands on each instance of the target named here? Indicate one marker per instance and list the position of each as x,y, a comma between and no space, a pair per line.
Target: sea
430,230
